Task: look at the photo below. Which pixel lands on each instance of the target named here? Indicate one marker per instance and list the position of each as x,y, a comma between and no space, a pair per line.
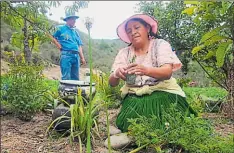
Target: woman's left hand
137,69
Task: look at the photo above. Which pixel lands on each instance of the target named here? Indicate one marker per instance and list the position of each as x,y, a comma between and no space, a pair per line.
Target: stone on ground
62,124
119,141
114,130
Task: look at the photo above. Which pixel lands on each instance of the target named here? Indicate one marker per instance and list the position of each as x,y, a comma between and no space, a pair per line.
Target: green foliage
221,52
103,45
133,59
215,49
80,114
14,15
192,134
185,59
9,47
53,84
25,92
211,92
184,82
194,71
76,6
112,94
108,95
6,32
198,97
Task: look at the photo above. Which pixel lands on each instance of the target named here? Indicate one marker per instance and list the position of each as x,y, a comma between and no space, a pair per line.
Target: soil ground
30,137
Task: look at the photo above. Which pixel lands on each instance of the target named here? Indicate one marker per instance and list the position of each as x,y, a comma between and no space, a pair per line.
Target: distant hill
104,50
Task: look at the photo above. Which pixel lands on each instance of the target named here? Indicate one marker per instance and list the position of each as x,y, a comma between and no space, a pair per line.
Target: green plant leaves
214,40
191,2
17,40
225,7
197,19
189,10
212,33
210,54
26,91
197,49
192,134
221,52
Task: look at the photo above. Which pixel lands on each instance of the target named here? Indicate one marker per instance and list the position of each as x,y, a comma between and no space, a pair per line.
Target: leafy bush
9,47
184,82
105,90
52,84
25,92
187,134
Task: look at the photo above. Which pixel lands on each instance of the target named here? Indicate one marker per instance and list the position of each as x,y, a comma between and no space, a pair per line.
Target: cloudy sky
107,16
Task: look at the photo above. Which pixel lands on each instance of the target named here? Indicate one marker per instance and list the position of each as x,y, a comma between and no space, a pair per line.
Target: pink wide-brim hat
121,32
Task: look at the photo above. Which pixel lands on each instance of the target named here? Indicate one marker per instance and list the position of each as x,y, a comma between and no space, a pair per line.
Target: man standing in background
71,50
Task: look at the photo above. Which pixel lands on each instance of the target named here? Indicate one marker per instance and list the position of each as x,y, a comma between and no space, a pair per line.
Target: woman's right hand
120,73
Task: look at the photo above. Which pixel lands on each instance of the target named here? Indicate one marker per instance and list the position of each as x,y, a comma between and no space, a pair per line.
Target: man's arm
80,44
54,41
55,37
82,55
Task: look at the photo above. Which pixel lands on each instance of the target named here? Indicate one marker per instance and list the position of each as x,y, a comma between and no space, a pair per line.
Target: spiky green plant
79,120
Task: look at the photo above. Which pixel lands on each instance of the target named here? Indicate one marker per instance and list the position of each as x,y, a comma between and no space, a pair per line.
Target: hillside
103,49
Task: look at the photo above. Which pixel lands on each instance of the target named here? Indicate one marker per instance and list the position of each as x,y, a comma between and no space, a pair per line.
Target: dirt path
55,73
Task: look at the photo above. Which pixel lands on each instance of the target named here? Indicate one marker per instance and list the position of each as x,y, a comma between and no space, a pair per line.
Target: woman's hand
120,73
137,69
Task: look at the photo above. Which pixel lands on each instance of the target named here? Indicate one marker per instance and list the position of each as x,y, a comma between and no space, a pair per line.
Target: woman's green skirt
148,105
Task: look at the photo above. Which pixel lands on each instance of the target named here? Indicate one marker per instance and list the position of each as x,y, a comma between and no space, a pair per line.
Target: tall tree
215,50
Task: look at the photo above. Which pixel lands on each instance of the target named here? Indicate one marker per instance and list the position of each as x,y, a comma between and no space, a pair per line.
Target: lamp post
88,24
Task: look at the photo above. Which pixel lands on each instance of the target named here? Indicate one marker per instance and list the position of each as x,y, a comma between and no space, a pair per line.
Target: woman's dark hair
145,24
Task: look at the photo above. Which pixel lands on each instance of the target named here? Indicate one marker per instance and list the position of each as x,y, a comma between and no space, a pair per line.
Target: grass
53,84
199,97
214,93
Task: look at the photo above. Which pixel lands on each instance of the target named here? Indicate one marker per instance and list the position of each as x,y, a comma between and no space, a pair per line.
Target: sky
107,16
